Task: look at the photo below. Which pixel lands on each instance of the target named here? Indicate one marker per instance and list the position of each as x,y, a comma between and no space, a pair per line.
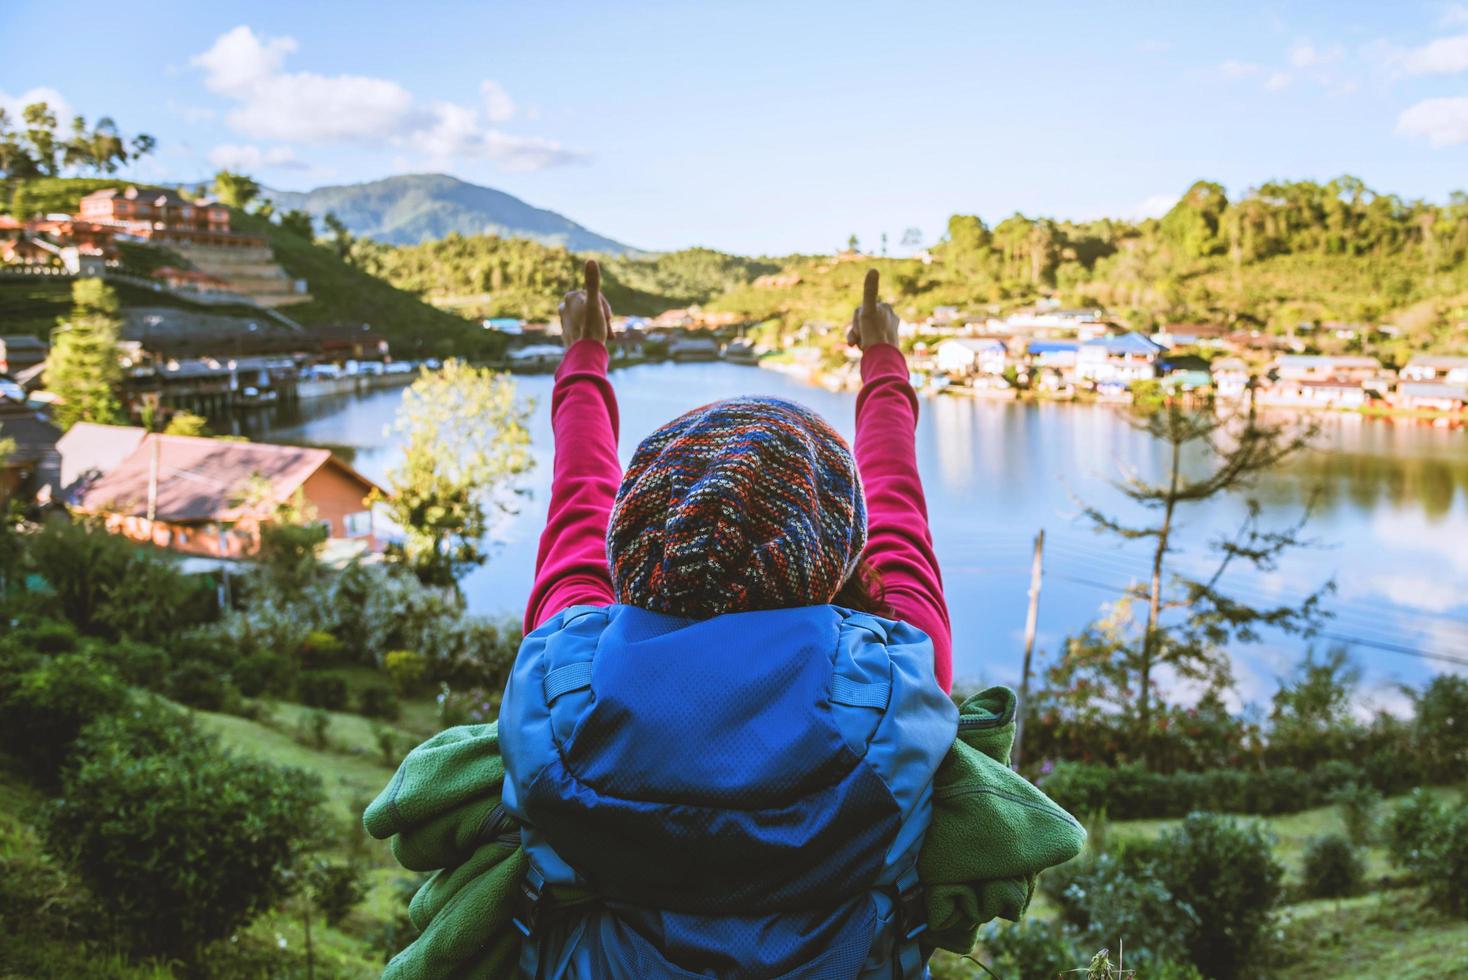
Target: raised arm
899,543
571,566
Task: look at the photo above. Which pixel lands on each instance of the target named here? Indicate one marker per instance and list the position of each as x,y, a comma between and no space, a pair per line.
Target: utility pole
1037,570
153,481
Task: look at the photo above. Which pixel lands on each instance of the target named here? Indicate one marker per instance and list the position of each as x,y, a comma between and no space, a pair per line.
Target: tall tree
235,190
82,370
465,443
1189,620
40,133
339,234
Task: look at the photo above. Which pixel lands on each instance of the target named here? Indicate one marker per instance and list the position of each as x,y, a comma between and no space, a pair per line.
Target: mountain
415,208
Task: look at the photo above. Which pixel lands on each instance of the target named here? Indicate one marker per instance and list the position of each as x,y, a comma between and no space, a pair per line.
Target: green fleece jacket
992,832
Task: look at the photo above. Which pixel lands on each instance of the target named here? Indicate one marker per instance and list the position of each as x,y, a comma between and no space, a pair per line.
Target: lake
1390,523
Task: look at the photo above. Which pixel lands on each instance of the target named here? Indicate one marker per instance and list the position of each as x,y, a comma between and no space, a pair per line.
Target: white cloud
307,107
1306,55
1277,81
1238,69
246,158
498,106
1442,121
1445,56
15,104
1455,14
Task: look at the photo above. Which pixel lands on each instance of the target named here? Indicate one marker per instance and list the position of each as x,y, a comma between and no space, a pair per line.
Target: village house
1230,377
33,463
1125,358
18,352
162,215
1298,392
1205,335
1321,367
1428,367
206,496
1430,396
966,357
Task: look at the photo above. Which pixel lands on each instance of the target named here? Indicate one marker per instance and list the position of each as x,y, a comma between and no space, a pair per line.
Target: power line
1339,637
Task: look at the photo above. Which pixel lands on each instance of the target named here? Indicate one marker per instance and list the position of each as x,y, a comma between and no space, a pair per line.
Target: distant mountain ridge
413,208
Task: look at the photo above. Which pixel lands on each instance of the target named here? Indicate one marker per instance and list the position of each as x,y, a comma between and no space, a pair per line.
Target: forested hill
413,208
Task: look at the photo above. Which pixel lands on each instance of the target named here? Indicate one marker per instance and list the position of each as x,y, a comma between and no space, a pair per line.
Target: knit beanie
749,503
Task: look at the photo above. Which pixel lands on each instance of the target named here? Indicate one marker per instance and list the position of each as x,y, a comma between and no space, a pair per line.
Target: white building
964,357
1126,358
1427,367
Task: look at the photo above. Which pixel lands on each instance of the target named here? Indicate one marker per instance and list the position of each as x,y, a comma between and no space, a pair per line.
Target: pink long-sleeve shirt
571,565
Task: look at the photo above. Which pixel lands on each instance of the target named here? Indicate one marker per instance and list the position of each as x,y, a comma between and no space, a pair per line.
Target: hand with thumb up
585,313
874,322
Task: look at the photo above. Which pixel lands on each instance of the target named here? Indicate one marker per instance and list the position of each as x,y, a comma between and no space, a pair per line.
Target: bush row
1132,792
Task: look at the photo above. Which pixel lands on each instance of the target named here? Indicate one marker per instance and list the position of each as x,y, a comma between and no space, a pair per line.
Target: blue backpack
743,796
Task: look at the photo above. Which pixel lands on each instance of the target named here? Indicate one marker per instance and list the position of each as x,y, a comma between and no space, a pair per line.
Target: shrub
180,842
1031,949
321,648
336,889
1441,727
314,727
139,664
1357,806
406,668
466,707
46,708
1118,905
1333,868
49,636
317,689
264,673
1431,840
1410,829
1226,872
379,702
387,744
200,685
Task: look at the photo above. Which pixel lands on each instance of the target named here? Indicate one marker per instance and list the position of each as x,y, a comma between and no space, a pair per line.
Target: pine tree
82,370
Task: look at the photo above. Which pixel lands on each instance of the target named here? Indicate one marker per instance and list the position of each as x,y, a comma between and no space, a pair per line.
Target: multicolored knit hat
750,503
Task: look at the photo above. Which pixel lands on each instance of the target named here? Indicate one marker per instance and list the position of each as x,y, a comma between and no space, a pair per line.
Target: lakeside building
1323,367
205,496
1230,377
1427,367
1124,358
1430,396
966,357
1313,393
161,215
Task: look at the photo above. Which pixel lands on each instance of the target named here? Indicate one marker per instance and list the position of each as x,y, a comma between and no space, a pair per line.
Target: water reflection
1392,511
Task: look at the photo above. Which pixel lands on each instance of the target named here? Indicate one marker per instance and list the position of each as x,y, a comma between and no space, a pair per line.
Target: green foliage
321,648
1225,871
1131,792
185,423
465,442
235,190
265,672
1333,868
1430,840
1357,804
1113,905
82,370
180,842
318,689
475,706
107,585
1031,949
316,727
1441,727
45,708
406,668
378,701
203,686
335,888
35,145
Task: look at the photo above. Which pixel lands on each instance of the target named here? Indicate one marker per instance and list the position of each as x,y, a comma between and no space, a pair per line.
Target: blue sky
772,127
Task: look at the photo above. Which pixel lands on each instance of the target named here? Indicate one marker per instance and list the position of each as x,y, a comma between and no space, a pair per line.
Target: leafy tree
1210,454
465,442
235,190
185,423
298,223
853,244
83,369
181,842
340,235
40,133
1194,223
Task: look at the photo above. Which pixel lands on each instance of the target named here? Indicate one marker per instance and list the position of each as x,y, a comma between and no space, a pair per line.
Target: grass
32,306
1384,934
